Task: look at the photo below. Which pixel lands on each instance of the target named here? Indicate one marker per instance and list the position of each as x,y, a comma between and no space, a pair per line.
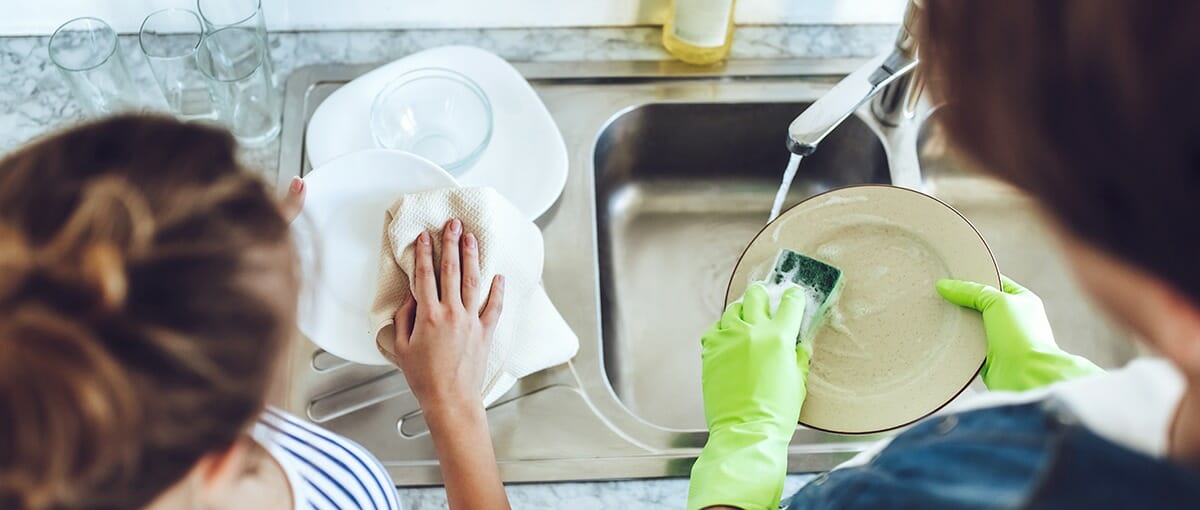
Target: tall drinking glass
218,14
170,38
87,53
233,59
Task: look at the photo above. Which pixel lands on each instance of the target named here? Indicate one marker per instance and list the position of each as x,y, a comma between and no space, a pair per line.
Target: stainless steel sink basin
681,188
672,171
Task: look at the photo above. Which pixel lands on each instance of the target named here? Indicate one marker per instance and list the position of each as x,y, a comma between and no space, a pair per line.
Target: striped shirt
325,470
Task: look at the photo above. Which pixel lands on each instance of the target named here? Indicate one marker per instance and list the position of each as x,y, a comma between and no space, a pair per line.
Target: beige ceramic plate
891,351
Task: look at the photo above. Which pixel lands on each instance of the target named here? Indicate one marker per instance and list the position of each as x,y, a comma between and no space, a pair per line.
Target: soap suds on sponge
819,281
812,298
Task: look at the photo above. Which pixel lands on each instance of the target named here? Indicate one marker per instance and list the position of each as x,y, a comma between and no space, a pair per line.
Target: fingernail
455,226
469,240
297,185
500,281
423,238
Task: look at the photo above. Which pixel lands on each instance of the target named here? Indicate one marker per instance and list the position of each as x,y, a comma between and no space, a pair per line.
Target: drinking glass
170,38
86,52
233,60
218,14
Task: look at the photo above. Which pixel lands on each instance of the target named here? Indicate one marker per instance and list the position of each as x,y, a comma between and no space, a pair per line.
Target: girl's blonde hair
135,332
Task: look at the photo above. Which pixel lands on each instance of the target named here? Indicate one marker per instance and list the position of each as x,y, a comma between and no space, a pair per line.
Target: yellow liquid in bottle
691,53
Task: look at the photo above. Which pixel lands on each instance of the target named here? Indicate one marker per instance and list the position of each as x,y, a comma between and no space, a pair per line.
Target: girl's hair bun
137,334
69,407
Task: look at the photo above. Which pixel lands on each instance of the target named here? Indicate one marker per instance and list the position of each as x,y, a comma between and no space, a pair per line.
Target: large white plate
526,160
339,236
891,351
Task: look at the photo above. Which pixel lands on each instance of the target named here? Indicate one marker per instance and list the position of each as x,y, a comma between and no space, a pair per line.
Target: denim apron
1028,456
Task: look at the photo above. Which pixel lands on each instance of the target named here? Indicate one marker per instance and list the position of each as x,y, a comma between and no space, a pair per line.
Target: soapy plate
339,236
891,351
526,160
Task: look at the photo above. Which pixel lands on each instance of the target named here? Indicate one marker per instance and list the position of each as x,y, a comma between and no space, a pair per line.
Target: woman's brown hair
1088,105
135,332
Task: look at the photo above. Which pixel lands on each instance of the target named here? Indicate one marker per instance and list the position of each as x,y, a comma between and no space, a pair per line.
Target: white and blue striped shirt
325,470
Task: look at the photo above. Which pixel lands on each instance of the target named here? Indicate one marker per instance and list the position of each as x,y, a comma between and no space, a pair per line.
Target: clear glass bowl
435,113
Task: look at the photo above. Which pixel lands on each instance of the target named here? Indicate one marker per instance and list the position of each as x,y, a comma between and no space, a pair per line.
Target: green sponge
822,284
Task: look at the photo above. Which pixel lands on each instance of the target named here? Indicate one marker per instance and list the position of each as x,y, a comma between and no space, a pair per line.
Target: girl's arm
442,339
464,449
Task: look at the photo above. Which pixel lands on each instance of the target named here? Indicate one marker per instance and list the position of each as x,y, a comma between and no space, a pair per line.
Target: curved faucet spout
820,118
882,76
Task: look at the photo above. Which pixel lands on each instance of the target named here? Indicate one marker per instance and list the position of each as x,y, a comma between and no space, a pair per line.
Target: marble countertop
34,101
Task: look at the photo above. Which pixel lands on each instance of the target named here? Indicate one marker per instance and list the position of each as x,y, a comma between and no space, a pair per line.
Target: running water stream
781,195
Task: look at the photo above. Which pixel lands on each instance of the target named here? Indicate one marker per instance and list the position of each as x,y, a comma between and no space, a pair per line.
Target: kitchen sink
681,188
672,171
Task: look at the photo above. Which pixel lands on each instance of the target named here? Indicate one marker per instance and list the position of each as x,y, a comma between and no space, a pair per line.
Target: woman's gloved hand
753,375
1022,354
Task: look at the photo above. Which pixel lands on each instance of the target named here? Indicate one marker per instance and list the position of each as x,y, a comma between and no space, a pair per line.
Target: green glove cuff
1037,368
742,466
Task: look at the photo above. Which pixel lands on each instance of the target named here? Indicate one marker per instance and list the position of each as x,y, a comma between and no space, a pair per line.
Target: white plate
891,351
339,236
526,160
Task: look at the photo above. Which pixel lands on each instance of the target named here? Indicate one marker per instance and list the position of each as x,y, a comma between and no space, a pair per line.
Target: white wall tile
41,17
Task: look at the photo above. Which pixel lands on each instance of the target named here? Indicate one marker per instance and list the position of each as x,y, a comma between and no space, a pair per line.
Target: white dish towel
531,335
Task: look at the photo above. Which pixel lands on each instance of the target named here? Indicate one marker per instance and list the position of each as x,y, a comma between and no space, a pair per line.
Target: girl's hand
1022,354
443,335
442,338
753,376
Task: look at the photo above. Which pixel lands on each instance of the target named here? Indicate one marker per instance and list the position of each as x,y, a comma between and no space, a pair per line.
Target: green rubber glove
753,376
1022,354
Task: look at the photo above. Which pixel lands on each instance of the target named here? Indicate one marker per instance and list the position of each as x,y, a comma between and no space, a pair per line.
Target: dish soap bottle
699,32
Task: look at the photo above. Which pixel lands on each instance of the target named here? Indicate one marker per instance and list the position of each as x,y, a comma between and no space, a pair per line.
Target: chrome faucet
889,80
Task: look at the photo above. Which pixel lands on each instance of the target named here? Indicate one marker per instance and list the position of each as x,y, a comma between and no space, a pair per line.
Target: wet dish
891,351
339,236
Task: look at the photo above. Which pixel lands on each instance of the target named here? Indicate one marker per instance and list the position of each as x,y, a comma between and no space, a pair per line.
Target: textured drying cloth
531,335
